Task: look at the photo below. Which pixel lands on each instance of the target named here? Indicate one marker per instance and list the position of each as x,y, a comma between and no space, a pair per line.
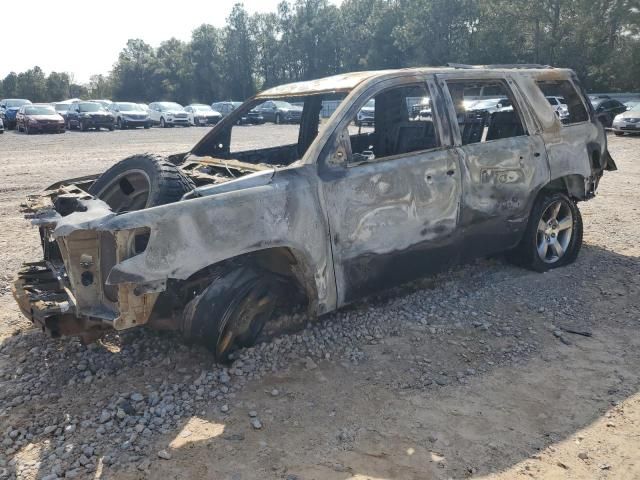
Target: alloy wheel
555,230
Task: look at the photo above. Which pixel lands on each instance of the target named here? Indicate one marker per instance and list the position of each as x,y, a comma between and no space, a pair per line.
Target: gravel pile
129,410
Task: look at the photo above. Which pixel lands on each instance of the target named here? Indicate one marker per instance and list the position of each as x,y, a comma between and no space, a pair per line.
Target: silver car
627,122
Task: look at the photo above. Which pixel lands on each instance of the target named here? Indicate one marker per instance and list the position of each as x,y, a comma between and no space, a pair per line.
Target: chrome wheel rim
555,230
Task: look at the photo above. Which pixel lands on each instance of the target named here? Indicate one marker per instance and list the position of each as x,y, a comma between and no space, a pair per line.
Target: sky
70,36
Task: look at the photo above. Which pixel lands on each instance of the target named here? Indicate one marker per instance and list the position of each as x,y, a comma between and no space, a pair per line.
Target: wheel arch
284,261
573,185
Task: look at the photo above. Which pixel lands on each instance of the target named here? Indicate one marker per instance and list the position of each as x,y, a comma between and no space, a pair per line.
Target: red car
39,118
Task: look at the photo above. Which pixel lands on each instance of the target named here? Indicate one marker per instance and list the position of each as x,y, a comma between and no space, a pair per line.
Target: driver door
392,192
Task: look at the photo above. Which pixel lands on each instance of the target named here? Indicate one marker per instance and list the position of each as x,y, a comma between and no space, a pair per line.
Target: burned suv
218,242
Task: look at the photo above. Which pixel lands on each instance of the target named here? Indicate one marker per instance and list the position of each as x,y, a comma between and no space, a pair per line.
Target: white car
202,115
168,114
559,105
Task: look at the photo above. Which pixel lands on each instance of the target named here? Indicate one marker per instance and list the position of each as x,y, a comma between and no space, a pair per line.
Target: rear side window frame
509,87
576,90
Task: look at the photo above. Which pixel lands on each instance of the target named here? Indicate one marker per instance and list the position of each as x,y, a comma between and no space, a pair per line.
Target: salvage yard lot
470,374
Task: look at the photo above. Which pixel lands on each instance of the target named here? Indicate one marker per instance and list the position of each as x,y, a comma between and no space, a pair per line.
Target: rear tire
618,134
139,182
233,310
545,244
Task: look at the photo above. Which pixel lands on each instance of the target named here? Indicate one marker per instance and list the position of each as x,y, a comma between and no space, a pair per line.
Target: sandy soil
448,397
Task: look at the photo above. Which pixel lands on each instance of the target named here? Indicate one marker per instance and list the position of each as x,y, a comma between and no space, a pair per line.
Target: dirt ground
472,373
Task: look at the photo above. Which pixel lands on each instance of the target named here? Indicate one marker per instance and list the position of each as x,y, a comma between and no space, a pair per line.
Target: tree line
306,39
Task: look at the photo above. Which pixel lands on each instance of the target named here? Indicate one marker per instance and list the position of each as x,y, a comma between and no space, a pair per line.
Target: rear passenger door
503,160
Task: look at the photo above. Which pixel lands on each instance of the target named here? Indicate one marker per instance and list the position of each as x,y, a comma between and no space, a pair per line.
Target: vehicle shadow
393,407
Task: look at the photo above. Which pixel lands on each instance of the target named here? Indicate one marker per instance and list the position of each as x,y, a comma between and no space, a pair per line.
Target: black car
86,115
607,109
253,117
279,112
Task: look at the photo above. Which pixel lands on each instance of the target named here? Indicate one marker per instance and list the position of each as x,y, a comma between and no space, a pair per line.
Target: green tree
172,75
204,53
133,73
239,55
32,84
10,85
58,86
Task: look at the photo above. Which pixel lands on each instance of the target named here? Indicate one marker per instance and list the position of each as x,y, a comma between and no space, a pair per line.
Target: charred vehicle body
216,242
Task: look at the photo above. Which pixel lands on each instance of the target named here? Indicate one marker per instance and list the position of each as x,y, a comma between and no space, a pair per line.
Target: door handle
451,172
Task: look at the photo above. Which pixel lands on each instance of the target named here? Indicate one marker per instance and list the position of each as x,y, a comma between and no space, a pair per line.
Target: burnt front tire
139,182
553,237
233,310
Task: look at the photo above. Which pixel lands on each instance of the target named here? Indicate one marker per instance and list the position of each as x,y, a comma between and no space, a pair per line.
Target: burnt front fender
187,236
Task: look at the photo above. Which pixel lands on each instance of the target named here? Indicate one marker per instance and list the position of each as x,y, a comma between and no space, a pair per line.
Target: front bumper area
47,127
39,291
130,122
97,123
177,121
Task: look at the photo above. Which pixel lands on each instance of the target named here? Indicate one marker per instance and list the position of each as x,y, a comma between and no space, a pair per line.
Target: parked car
251,117
62,108
474,94
366,115
225,108
631,104
627,122
86,115
39,118
168,114
214,242
202,115
9,108
105,103
130,115
560,107
278,112
491,105
607,109
145,107
422,108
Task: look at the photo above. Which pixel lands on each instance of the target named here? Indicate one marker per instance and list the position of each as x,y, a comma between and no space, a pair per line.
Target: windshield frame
52,110
136,107
17,102
170,106
207,145
100,107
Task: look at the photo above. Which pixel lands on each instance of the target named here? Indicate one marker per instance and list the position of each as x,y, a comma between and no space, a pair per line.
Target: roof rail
503,65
